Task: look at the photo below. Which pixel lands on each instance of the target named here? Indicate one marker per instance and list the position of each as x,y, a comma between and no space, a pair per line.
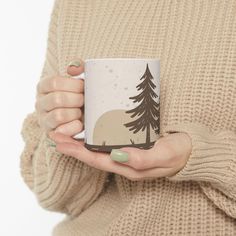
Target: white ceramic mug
121,103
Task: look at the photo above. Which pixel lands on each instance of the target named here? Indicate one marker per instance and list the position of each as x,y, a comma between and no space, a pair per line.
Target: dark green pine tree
148,110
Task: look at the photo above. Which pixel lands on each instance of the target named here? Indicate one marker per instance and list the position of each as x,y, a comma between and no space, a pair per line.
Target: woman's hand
168,156
60,101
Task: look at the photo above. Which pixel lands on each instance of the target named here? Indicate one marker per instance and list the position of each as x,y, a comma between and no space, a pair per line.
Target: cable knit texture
196,43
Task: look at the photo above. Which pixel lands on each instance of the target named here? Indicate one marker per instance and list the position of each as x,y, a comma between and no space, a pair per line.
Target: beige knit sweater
196,43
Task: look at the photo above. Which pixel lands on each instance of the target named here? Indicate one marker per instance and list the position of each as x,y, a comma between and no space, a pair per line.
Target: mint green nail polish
75,63
52,145
50,142
118,155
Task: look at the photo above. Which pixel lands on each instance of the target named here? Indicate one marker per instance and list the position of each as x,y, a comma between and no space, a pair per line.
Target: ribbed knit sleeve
60,183
212,163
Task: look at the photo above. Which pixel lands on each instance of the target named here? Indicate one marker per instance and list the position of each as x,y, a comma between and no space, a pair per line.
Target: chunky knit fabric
196,43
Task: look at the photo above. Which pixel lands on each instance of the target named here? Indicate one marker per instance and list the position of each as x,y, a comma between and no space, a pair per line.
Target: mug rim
122,58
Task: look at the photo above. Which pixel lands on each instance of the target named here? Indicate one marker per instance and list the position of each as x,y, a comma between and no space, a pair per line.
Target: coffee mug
121,103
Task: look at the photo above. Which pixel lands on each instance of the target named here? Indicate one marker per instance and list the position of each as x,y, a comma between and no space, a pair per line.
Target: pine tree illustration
148,110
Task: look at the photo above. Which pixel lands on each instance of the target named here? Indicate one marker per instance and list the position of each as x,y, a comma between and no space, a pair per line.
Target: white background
23,34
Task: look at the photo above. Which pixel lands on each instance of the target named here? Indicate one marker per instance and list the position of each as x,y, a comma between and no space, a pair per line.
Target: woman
186,183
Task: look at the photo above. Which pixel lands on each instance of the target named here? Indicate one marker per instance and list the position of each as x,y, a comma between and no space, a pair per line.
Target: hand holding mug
60,101
167,157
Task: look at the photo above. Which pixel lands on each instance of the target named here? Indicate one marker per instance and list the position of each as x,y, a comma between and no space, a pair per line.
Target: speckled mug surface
121,103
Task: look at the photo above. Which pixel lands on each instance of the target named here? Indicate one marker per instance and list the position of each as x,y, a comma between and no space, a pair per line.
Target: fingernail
118,155
50,142
74,63
52,145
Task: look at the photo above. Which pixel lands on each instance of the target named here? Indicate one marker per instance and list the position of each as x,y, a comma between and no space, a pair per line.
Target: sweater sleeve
212,163
60,183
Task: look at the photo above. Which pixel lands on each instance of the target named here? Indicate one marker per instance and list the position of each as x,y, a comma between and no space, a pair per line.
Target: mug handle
80,135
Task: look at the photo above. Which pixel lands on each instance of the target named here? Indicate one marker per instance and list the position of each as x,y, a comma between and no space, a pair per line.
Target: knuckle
138,163
67,116
63,99
53,82
58,117
56,99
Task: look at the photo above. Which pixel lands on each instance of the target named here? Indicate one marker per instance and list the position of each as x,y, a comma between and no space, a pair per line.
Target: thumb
136,158
75,67
139,158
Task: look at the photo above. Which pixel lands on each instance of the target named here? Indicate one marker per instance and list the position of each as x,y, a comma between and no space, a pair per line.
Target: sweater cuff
213,155
31,134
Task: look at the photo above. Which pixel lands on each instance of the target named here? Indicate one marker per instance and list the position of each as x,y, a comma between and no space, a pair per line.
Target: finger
141,159
62,138
98,160
94,159
75,67
60,116
102,161
71,128
59,99
82,116
58,83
